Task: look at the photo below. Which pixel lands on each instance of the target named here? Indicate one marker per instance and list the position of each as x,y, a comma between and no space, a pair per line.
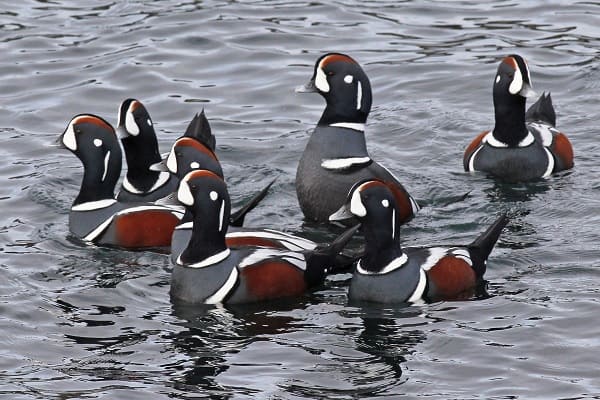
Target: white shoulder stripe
259,255
550,168
435,255
417,296
472,159
99,229
220,294
289,241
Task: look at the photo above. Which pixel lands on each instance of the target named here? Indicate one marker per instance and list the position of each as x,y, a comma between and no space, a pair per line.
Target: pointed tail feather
237,217
327,258
481,247
542,110
199,129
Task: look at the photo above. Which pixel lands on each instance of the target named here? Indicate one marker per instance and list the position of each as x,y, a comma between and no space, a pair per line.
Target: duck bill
121,132
341,215
58,143
527,91
310,87
160,166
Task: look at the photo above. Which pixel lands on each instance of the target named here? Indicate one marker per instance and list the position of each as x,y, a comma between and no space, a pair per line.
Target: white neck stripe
356,126
392,266
93,205
344,163
492,141
208,261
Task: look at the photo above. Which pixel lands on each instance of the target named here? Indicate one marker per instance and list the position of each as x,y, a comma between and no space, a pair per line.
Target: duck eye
330,73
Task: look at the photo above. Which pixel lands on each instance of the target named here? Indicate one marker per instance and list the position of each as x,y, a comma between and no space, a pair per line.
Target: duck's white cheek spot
184,194
358,96
68,139
321,81
149,121
348,78
131,125
385,203
214,195
172,162
497,78
97,142
356,205
194,165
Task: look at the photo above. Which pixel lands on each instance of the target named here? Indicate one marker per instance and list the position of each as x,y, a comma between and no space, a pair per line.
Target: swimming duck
522,146
336,154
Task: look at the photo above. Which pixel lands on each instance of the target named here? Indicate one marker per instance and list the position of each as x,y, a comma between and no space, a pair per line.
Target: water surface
79,321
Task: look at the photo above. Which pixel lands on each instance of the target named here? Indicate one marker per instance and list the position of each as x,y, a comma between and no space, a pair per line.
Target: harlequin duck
209,272
195,150
189,154
136,131
521,146
388,273
96,216
336,154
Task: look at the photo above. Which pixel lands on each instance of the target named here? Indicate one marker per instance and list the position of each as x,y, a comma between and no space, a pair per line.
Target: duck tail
542,111
328,259
199,129
481,247
237,217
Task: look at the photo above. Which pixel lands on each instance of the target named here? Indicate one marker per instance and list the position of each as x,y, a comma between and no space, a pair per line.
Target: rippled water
85,322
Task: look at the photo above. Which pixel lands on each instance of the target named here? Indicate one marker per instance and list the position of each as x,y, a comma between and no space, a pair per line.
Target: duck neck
99,183
380,249
140,156
510,127
204,243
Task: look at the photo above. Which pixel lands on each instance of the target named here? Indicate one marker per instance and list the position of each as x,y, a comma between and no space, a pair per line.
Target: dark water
84,322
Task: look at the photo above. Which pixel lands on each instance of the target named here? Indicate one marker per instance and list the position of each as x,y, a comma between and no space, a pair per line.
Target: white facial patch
172,161
184,194
149,121
194,165
68,138
130,124
348,78
214,195
358,96
321,81
497,78
517,83
356,205
385,203
97,142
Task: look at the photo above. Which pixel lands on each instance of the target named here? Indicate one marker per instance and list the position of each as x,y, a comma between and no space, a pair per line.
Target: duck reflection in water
212,334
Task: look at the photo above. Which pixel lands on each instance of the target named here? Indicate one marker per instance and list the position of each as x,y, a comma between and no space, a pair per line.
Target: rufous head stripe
335,57
510,61
190,142
92,119
201,173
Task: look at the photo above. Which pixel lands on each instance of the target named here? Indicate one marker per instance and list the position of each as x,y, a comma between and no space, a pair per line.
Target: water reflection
212,334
